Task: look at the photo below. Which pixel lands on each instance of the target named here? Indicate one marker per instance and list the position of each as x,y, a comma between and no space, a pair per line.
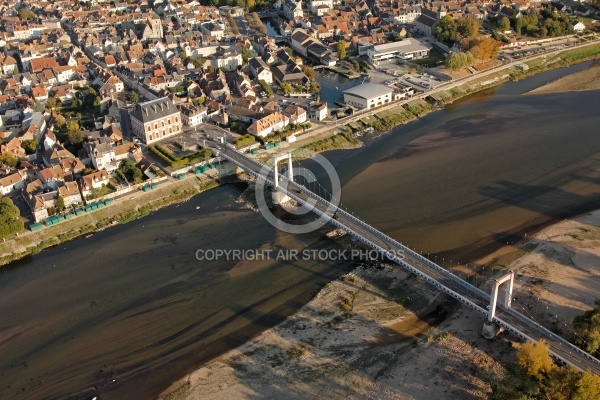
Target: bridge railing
479,296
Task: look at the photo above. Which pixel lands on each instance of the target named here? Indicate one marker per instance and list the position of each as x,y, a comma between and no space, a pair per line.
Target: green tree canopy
9,160
246,54
10,222
133,97
447,30
468,27
287,89
341,49
504,24
60,203
30,146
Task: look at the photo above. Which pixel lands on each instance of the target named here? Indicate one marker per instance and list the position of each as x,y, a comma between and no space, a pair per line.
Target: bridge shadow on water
549,201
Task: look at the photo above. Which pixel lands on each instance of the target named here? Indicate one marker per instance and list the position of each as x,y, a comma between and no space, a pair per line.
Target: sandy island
588,79
381,333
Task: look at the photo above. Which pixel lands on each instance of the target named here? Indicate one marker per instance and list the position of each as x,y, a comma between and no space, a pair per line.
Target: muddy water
126,312
485,171
129,310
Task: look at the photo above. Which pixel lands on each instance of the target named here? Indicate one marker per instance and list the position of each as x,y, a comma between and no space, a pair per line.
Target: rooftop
154,110
369,90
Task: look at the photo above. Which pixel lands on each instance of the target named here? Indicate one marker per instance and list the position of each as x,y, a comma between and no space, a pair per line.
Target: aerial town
90,90
110,110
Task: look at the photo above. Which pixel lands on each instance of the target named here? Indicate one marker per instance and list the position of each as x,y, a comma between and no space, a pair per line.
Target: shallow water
133,305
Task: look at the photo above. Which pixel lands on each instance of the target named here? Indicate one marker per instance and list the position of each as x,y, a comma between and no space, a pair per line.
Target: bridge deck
445,281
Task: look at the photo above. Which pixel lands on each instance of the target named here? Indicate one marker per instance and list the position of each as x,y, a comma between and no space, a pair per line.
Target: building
318,111
269,124
368,95
297,115
260,70
428,19
155,120
70,193
94,181
153,28
406,49
292,9
311,47
193,116
320,7
226,57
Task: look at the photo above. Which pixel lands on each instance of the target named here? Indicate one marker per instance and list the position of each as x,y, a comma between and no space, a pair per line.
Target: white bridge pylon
290,171
504,284
279,197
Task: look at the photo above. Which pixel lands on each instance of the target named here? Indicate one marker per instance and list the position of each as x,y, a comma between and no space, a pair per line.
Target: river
129,310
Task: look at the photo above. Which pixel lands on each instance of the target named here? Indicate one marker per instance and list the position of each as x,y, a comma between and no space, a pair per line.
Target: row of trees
535,376
232,25
458,60
544,24
257,24
482,48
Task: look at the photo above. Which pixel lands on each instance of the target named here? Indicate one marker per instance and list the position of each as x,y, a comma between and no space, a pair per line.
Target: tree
468,27
30,146
287,89
246,54
250,5
60,203
74,138
265,86
198,61
519,23
53,102
26,14
484,48
535,359
131,171
504,24
341,49
588,387
9,160
76,103
133,97
9,218
447,30
309,72
210,69
587,327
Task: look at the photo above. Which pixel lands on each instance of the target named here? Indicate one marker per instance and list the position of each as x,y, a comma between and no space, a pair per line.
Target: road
444,280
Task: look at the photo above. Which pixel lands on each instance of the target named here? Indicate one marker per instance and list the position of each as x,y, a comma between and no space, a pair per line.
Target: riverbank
381,333
458,364
384,118
120,211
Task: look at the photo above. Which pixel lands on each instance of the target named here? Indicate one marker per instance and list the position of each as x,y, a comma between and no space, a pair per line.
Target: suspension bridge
499,314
